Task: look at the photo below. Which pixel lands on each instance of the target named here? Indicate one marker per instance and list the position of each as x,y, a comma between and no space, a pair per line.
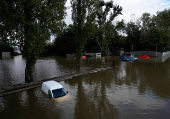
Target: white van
53,89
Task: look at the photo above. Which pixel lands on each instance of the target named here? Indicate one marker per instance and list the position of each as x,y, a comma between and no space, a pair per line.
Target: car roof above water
52,85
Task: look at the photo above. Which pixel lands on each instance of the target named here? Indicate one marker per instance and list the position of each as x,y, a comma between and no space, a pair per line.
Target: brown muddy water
131,90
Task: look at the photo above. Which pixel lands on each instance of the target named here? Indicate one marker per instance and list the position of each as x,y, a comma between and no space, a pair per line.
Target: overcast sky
132,9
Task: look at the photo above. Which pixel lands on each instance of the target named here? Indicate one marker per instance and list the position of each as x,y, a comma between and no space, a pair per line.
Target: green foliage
105,16
49,51
83,16
156,30
120,26
101,4
92,46
65,43
146,19
133,36
150,33
105,50
159,38
163,20
118,38
31,22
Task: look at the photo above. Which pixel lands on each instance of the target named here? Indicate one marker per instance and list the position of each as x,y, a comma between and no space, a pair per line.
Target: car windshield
59,93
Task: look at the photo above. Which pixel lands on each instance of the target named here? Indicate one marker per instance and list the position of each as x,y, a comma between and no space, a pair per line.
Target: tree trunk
103,60
79,54
28,73
78,61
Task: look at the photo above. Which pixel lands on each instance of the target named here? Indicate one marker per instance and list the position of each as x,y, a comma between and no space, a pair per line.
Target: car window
49,93
59,93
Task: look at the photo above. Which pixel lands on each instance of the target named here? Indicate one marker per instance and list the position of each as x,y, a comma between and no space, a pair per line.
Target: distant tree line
148,33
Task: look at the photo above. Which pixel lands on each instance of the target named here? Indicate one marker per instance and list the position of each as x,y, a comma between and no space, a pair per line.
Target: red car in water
145,56
83,57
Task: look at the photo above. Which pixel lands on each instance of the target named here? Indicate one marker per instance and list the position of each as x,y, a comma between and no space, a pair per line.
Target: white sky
130,7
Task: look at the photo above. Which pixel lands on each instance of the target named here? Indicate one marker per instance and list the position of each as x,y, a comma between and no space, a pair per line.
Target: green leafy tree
146,20
32,22
92,46
106,12
133,36
120,26
157,39
163,20
118,40
83,16
65,43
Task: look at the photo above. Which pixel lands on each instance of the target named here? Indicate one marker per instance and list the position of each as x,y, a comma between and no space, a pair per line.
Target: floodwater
12,70
131,90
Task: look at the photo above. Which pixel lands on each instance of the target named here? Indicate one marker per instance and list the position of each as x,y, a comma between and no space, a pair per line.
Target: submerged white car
53,89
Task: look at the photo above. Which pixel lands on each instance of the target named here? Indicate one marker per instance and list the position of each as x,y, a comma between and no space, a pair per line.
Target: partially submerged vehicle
83,57
132,57
122,57
53,89
144,56
129,59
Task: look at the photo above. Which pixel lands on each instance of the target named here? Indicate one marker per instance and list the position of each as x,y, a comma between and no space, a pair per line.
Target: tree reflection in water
145,76
91,98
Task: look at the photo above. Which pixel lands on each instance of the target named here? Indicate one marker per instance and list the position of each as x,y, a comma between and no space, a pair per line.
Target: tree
163,20
118,40
146,20
157,38
133,36
32,22
65,43
83,16
106,12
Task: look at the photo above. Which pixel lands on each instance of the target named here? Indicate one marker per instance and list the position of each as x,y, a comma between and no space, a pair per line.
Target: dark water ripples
131,90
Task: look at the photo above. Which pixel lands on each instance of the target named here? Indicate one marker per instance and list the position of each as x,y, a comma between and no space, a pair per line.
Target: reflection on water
92,101
63,99
131,90
12,71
